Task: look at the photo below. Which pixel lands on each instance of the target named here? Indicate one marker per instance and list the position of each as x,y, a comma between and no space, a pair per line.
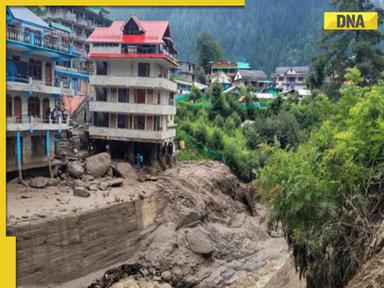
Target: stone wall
63,249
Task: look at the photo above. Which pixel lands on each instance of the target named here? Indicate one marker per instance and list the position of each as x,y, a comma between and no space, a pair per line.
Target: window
122,121
35,69
291,79
123,95
139,122
131,28
301,79
9,106
171,97
144,69
140,96
34,107
281,78
38,146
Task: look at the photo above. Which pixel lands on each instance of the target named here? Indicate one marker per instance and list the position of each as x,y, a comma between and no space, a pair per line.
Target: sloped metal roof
23,14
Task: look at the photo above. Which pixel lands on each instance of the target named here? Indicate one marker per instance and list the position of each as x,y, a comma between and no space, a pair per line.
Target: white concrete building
133,100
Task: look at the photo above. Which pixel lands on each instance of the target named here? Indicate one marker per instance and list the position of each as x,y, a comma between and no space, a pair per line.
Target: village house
33,89
133,99
290,78
230,68
185,71
254,78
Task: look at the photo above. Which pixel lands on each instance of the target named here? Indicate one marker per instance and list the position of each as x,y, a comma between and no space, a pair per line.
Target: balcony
131,134
60,14
38,86
131,108
37,41
136,82
30,123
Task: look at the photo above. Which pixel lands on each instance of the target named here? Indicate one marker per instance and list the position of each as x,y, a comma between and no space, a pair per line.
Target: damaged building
132,104
33,89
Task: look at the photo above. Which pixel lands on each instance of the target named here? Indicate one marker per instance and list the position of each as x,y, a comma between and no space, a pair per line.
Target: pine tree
345,49
208,49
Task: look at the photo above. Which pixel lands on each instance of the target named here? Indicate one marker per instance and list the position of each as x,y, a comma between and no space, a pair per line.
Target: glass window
139,122
144,69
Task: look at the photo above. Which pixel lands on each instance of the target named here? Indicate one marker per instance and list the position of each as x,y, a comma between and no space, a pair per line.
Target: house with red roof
132,98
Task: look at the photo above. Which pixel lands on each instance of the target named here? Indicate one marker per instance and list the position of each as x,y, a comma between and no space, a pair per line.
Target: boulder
97,165
110,171
79,183
39,182
166,276
75,169
198,242
81,192
93,187
125,170
53,181
189,219
87,178
104,186
116,182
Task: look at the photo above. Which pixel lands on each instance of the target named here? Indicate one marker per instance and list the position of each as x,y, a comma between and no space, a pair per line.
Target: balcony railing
37,40
129,134
70,69
27,122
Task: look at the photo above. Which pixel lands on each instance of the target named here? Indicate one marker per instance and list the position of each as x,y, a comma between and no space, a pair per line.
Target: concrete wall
64,249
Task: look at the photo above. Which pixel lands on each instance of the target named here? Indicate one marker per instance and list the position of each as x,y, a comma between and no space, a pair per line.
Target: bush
201,134
216,140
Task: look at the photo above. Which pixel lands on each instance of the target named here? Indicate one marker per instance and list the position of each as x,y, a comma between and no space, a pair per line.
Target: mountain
266,33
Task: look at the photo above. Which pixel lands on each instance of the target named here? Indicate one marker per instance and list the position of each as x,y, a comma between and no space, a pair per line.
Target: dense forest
265,33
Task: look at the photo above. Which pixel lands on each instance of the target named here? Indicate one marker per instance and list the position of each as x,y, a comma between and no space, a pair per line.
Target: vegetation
328,194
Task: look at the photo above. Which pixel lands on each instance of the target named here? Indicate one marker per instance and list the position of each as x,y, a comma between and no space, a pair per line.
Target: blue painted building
34,87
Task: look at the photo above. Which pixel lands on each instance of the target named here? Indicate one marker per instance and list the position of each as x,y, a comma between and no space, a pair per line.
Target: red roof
153,33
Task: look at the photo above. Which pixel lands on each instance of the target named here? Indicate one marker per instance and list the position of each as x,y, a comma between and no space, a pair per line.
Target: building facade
290,78
133,99
185,72
76,23
33,89
230,68
255,78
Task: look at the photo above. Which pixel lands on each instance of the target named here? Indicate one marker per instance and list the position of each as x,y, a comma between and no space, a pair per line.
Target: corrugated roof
153,33
252,75
297,69
25,15
61,27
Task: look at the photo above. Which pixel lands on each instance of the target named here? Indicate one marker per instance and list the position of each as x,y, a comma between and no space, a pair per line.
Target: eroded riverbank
186,221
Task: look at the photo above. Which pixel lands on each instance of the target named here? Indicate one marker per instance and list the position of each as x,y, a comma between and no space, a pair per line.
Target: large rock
80,183
98,164
125,170
198,242
116,182
81,192
39,182
75,169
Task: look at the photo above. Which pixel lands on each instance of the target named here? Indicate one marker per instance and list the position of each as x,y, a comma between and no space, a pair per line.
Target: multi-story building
77,23
290,78
80,20
133,100
185,71
33,89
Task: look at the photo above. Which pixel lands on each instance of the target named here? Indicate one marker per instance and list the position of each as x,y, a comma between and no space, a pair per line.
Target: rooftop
152,32
25,15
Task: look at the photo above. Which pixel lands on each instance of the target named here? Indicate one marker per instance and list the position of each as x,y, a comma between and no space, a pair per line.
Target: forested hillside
265,33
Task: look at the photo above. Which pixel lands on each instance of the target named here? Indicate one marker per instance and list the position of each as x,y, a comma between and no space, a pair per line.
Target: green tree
208,49
200,75
195,94
216,141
